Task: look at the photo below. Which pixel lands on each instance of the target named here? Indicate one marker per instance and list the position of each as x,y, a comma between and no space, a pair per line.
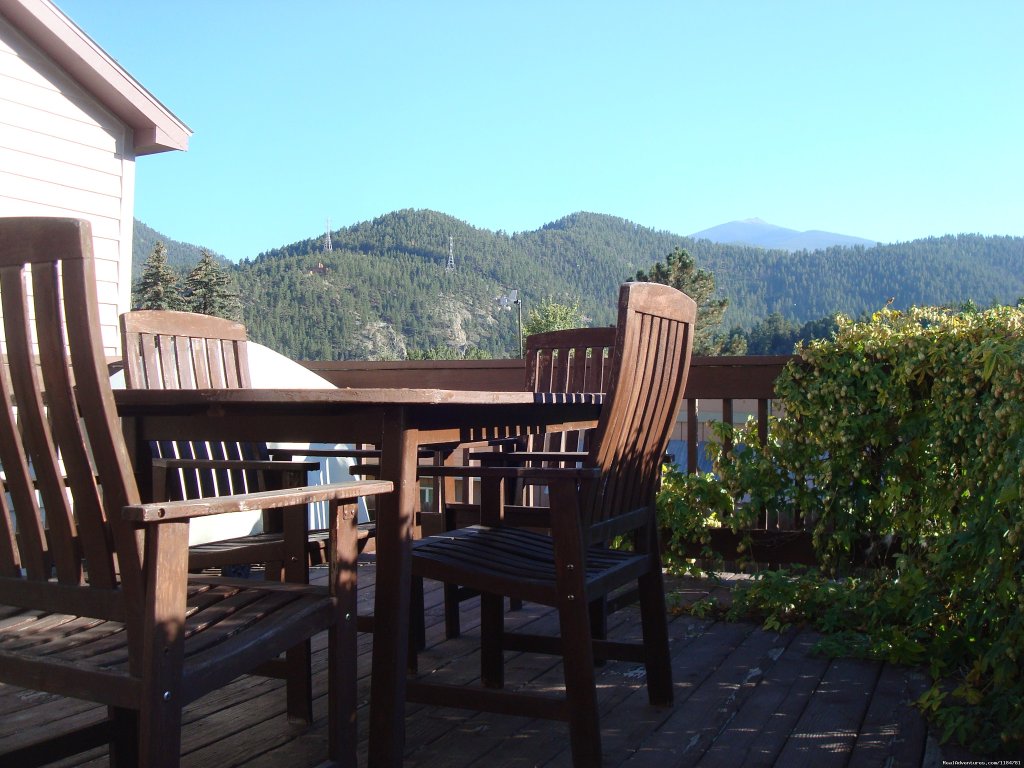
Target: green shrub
901,441
688,505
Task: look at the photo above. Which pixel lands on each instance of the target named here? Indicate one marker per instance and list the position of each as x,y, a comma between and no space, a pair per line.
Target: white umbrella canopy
271,370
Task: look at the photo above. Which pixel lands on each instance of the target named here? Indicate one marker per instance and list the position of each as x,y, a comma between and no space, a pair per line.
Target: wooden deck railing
477,375
725,381
719,388
718,382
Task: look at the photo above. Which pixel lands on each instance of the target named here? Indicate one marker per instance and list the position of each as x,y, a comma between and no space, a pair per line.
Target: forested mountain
384,287
806,285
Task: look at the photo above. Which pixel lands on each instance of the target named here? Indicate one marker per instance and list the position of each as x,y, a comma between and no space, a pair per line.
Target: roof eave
155,127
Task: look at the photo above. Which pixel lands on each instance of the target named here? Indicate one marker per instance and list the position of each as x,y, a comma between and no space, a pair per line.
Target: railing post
727,418
762,438
762,420
691,435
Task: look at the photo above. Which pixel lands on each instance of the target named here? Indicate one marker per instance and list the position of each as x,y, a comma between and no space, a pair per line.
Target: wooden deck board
828,728
695,667
743,697
758,731
892,734
695,723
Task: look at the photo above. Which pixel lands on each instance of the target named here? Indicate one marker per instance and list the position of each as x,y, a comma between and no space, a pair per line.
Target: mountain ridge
384,288
759,233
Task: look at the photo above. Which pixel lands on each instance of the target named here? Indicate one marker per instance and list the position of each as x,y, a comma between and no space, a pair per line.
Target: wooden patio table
399,421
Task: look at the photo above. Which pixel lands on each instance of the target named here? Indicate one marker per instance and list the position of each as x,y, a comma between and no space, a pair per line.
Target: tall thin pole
519,307
506,302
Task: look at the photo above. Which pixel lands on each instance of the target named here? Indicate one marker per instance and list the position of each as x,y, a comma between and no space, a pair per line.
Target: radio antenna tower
450,266
327,238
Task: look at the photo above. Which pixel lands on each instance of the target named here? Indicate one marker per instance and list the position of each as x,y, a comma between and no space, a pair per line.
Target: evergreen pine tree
680,271
209,290
158,285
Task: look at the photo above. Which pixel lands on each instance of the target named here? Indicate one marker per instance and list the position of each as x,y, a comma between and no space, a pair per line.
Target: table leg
395,519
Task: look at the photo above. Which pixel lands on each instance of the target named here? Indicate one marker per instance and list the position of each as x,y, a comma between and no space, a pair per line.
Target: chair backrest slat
212,356
32,417
29,544
72,441
60,440
147,361
648,373
167,359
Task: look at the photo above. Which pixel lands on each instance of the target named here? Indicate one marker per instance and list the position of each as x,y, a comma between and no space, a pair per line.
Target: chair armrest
287,497
521,457
342,453
540,474
498,445
367,470
244,464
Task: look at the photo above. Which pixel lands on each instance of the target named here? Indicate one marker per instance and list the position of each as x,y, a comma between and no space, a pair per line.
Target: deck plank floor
744,697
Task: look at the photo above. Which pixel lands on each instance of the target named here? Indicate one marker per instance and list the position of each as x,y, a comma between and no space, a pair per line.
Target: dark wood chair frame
95,596
610,493
569,360
165,349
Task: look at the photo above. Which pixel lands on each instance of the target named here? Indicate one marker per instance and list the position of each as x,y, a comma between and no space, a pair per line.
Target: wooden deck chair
95,596
184,350
611,493
570,360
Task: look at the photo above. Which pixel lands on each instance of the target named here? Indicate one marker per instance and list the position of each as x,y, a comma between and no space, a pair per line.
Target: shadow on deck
744,697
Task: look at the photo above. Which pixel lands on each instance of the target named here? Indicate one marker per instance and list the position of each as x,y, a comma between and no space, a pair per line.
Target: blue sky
886,120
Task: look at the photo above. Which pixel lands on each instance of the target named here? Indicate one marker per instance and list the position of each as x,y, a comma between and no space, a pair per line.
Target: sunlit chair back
66,471
649,366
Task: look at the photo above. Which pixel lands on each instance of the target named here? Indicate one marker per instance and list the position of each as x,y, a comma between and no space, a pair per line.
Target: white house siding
63,154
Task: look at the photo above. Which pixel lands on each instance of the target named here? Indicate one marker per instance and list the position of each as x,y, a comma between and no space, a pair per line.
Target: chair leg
580,688
159,736
124,746
163,654
298,659
654,623
341,694
342,647
274,570
599,618
574,625
299,688
417,618
599,623
452,622
492,657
